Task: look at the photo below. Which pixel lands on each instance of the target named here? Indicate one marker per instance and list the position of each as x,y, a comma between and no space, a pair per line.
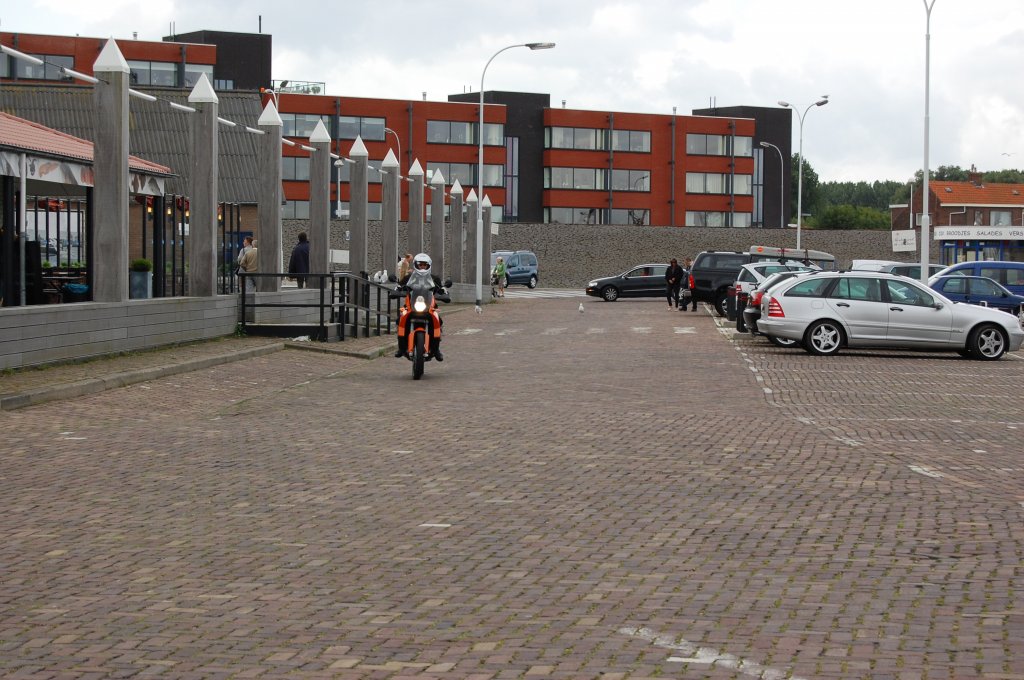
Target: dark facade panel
244,59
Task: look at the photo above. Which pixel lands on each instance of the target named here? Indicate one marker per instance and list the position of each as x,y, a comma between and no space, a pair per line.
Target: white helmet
421,263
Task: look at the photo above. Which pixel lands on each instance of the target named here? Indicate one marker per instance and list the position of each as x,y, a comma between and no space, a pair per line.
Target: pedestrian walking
673,279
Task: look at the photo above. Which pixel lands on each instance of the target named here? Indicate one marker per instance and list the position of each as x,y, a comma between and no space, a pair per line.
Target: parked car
752,311
752,274
1006,273
521,267
715,271
827,311
979,290
911,270
645,280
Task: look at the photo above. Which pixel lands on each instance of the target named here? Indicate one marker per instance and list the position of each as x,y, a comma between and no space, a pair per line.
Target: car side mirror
938,305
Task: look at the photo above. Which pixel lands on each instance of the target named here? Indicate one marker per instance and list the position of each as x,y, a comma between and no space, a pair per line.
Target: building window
454,171
494,134
223,84
295,168
574,178
717,183
698,144
298,210
1000,218
449,132
631,140
587,139
634,216
350,127
711,218
372,210
301,124
50,70
193,71
562,215
631,180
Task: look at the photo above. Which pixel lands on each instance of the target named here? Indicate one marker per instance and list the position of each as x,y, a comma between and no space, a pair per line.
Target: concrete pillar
485,205
437,224
390,180
358,198
458,234
415,222
319,204
268,238
470,256
202,235
111,181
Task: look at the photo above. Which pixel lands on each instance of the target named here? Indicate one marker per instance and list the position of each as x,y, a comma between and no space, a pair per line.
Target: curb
96,385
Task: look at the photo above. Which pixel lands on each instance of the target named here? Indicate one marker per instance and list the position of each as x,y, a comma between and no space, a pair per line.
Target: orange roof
20,135
969,193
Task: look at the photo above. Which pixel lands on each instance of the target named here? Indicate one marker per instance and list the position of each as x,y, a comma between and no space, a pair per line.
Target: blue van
1008,274
520,265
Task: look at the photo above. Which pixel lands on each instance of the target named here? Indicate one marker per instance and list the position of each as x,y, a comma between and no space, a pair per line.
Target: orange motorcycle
419,326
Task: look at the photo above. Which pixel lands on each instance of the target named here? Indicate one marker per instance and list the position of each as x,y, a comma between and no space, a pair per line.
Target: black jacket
299,262
674,275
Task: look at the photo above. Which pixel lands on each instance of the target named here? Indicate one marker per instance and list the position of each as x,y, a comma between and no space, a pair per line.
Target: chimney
973,176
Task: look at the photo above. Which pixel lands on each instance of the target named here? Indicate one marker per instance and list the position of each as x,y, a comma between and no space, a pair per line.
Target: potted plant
140,279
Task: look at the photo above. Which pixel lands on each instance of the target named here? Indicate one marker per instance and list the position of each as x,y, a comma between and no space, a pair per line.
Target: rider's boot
436,350
400,352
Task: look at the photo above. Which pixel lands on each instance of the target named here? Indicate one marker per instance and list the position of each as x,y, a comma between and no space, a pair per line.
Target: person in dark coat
299,262
673,279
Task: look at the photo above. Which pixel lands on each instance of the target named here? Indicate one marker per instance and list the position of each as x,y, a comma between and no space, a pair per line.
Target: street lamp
926,221
480,166
782,186
800,169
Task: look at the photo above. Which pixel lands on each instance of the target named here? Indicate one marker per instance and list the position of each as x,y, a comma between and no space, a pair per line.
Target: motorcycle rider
422,263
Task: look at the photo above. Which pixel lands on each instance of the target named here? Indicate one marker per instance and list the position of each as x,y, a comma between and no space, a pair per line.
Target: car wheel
507,281
782,342
987,343
720,302
823,338
610,293
532,283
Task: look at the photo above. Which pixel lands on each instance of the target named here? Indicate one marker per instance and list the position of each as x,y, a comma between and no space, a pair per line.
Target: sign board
979,233
904,240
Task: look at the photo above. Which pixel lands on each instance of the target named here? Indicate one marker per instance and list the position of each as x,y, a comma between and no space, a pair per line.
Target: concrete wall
572,254
42,334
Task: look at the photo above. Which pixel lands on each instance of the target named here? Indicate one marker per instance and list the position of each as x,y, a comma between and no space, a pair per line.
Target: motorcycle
418,317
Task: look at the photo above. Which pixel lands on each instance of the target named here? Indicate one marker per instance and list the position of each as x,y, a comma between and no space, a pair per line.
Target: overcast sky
648,56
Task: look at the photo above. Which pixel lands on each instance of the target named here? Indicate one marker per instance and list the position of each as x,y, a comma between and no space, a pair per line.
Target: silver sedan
831,310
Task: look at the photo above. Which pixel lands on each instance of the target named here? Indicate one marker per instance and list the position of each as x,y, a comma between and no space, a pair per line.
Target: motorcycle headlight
420,305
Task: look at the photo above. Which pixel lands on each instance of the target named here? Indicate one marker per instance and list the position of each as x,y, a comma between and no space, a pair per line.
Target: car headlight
591,284
420,305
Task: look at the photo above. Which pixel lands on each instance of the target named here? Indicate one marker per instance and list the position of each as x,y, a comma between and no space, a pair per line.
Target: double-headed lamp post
800,168
480,167
782,185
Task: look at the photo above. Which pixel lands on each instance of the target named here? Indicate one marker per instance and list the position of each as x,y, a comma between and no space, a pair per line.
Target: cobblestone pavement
627,492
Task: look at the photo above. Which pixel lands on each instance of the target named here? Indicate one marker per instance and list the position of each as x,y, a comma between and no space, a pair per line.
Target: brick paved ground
625,493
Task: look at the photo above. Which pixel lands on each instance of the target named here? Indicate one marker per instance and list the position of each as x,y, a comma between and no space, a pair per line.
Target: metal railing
354,306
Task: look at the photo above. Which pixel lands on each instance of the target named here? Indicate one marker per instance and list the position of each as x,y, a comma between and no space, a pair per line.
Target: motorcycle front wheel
417,357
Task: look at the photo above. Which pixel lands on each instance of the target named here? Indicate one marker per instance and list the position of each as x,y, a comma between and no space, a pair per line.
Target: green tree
811,195
852,217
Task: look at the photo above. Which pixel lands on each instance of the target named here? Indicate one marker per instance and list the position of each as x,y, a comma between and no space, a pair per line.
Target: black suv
714,271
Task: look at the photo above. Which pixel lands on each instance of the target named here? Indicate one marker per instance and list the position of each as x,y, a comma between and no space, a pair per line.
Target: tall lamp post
782,186
926,221
480,166
800,168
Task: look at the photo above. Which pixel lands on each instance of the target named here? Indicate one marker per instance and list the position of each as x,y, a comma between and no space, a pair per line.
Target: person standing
404,266
299,262
673,279
687,284
248,262
498,274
